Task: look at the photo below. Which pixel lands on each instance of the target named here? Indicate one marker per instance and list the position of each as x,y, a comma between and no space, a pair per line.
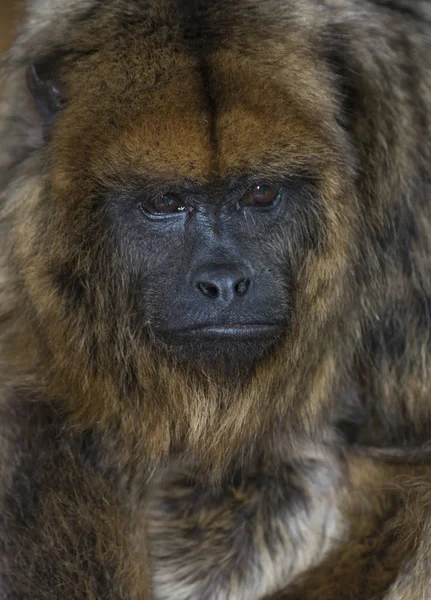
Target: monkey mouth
230,332
231,350
242,331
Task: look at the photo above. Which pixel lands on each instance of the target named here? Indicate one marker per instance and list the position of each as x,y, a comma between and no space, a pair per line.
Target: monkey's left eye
260,194
165,204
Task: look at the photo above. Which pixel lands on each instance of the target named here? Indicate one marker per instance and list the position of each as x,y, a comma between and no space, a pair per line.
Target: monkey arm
249,539
332,528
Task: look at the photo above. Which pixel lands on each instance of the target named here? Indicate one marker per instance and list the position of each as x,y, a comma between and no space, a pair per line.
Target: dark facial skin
213,291
206,265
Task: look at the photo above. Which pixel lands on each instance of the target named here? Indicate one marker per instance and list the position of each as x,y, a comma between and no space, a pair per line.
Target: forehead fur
192,89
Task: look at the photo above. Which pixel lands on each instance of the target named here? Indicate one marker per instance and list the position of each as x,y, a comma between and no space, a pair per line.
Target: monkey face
213,283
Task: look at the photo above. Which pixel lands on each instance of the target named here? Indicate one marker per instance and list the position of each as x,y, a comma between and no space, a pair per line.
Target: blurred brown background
9,13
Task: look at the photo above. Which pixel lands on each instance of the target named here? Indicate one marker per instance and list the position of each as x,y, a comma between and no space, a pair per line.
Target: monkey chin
229,353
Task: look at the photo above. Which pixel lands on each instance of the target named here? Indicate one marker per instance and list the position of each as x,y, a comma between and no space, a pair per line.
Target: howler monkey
215,300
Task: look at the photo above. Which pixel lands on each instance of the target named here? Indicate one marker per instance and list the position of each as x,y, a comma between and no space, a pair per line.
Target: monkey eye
260,194
164,204
41,83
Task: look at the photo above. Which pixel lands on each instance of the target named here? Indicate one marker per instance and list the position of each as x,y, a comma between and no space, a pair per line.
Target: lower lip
235,331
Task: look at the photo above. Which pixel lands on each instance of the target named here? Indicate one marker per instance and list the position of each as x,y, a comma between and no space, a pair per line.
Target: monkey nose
222,282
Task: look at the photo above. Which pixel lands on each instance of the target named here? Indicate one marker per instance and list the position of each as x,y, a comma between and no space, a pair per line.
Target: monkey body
215,286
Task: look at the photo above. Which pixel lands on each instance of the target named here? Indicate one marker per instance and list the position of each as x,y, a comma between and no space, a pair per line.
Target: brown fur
336,91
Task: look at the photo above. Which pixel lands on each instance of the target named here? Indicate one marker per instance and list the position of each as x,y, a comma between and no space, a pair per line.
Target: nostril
208,289
223,283
241,287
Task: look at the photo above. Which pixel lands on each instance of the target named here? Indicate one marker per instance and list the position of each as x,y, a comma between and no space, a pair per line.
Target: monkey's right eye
164,204
41,83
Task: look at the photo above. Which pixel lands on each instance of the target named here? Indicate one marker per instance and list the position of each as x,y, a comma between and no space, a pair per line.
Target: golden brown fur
336,91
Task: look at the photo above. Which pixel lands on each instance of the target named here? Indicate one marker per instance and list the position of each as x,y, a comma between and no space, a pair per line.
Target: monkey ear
44,87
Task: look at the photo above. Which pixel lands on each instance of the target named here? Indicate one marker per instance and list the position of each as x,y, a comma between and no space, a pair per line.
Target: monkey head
184,237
